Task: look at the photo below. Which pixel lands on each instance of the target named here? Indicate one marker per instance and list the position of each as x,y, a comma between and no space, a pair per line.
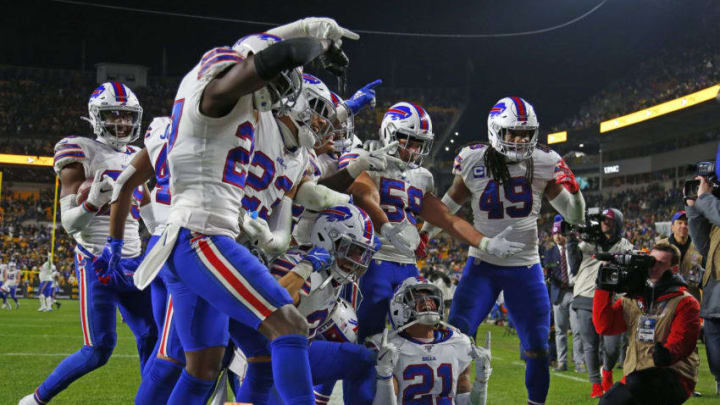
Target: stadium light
457,133
557,137
447,149
660,109
452,141
26,160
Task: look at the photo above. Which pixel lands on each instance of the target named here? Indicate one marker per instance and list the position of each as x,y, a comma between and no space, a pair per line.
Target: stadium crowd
674,73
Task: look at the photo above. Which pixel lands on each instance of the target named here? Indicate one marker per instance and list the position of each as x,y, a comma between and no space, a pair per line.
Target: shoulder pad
477,149
157,127
217,60
70,150
348,157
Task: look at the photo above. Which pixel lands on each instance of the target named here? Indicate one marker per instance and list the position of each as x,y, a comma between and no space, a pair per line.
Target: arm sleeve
709,206
74,217
286,55
607,317
385,392
280,223
318,197
571,206
699,229
684,330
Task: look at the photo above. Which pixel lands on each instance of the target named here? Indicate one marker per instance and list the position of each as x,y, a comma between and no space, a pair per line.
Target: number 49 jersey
401,198
495,206
428,372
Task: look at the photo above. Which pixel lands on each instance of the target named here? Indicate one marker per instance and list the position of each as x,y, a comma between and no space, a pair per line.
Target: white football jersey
55,277
429,368
320,167
46,271
156,146
517,204
96,156
274,169
209,157
316,303
12,273
401,198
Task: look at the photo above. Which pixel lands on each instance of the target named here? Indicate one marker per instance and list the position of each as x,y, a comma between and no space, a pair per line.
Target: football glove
100,191
387,357
363,98
565,177
499,246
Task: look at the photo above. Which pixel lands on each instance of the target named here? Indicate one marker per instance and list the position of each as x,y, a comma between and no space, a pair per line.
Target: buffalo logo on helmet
497,109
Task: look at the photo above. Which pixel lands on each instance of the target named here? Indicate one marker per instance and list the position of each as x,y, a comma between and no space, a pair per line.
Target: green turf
33,343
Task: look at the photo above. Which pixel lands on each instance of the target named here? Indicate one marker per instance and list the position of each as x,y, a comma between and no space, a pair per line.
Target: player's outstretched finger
388,147
346,33
384,338
374,84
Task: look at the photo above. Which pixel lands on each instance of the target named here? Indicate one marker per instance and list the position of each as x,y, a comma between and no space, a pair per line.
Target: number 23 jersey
495,206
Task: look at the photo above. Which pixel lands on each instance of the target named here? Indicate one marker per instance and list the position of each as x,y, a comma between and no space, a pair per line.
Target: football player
507,181
424,360
343,242
46,285
163,370
115,116
404,191
9,285
55,277
222,105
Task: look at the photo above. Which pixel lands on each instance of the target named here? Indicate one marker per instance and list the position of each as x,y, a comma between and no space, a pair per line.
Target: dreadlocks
497,165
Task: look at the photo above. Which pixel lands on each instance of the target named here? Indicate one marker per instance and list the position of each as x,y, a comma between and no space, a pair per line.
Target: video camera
590,231
624,272
703,169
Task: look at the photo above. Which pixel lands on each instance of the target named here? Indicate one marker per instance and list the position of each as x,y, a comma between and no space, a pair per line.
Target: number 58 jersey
401,198
496,206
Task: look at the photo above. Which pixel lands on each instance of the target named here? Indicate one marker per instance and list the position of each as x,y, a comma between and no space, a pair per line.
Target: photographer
608,238
662,319
561,283
704,223
690,258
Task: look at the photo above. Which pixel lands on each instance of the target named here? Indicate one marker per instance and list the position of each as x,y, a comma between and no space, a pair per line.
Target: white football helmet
513,114
115,114
342,324
409,304
282,92
344,138
315,109
347,233
411,122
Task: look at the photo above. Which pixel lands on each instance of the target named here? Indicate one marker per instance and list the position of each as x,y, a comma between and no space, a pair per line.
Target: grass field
33,343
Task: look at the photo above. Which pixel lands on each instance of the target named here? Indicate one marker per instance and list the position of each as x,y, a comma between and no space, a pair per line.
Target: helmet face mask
346,232
115,114
411,126
513,117
416,302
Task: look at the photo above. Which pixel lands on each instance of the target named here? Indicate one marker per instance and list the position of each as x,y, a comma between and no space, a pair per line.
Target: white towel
156,258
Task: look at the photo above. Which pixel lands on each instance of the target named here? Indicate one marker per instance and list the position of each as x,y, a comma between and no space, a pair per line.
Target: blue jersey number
162,175
239,156
419,393
517,191
393,197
